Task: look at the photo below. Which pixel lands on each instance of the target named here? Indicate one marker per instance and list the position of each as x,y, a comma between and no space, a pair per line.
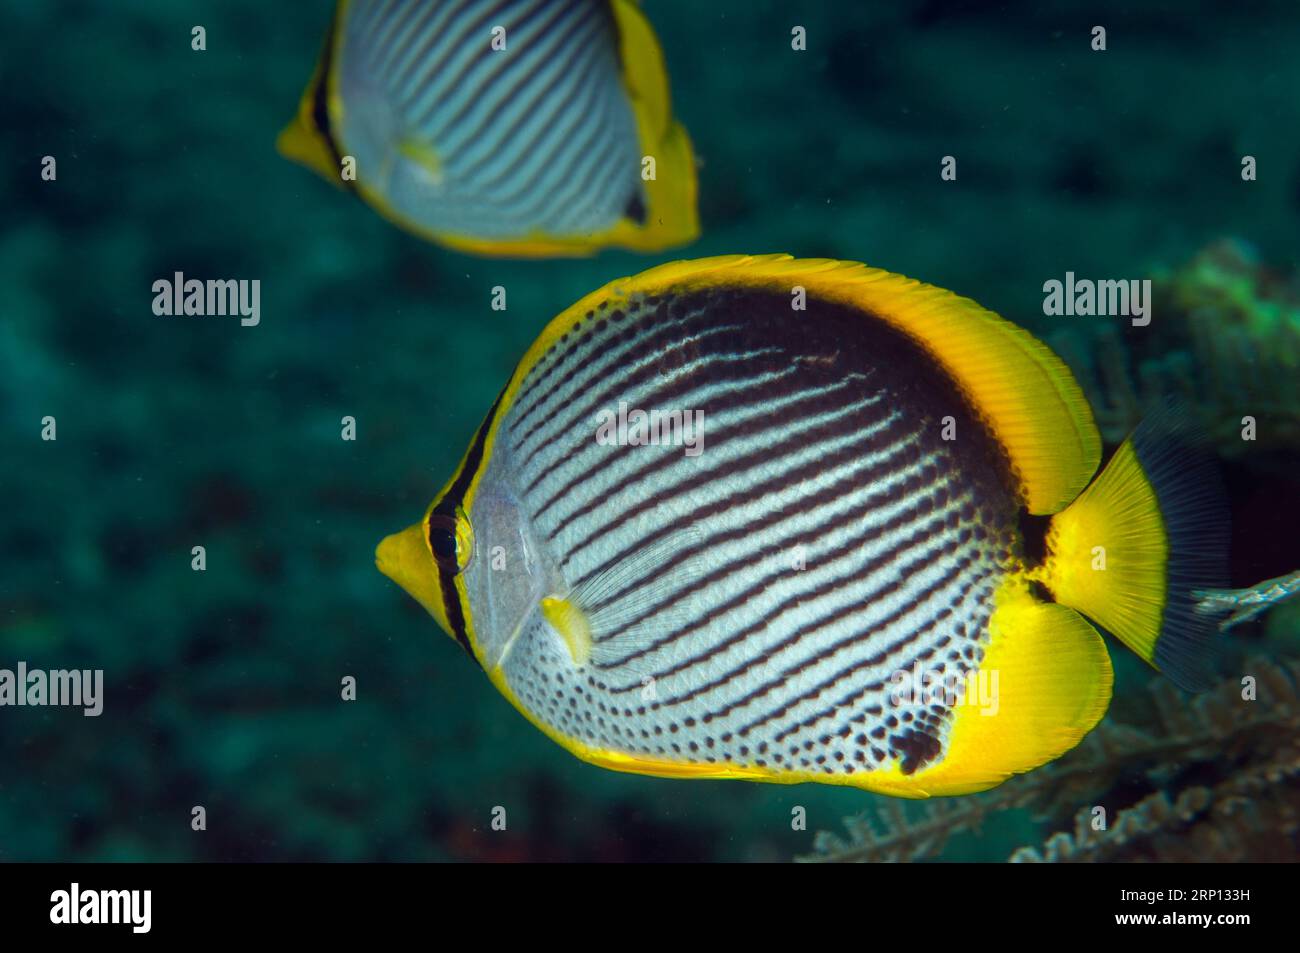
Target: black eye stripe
320,101
448,570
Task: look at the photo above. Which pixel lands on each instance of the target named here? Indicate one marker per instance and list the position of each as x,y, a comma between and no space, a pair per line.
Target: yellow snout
405,558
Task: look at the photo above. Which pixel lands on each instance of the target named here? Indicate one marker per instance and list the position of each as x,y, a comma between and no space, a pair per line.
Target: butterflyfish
513,128
886,565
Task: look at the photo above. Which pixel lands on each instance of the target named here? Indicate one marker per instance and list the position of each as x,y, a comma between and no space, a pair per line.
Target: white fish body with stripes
515,128
887,567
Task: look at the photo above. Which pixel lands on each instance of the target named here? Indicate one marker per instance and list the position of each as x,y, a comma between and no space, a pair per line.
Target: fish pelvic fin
1129,552
620,611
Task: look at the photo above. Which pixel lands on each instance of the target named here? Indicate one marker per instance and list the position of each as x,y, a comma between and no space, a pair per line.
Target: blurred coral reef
1224,339
1214,780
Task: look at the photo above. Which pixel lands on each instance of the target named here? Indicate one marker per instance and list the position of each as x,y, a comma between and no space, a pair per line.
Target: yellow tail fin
1148,530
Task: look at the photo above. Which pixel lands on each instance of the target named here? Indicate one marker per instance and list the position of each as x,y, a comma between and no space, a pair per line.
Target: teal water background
222,688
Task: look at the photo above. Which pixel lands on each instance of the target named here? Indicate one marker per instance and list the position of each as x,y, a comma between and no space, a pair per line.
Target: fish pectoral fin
1045,681
573,626
620,607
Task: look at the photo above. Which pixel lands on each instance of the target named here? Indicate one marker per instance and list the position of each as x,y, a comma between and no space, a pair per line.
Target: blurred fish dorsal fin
671,216
1022,390
643,64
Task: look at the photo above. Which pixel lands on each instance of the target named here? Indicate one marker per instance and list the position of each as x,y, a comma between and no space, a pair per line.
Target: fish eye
451,540
443,542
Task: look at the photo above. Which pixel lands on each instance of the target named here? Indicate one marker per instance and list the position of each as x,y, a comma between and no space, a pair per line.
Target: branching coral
1216,778
1252,816
1241,605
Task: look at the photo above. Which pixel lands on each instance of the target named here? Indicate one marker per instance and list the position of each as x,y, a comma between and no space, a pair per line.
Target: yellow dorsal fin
1023,391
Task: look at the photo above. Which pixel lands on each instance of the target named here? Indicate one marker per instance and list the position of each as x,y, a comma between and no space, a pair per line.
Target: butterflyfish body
882,569
513,128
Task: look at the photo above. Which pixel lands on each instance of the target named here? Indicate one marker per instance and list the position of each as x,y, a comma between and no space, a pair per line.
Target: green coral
1224,337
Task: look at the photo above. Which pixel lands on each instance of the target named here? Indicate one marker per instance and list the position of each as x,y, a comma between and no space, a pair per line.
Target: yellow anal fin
1045,681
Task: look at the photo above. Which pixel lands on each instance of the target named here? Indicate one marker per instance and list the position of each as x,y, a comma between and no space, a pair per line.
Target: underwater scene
614,431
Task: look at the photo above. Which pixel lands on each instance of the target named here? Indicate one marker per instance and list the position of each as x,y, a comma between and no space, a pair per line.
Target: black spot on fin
636,210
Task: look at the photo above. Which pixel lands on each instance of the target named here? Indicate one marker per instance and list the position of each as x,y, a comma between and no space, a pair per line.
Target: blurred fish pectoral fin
405,558
423,155
1045,681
